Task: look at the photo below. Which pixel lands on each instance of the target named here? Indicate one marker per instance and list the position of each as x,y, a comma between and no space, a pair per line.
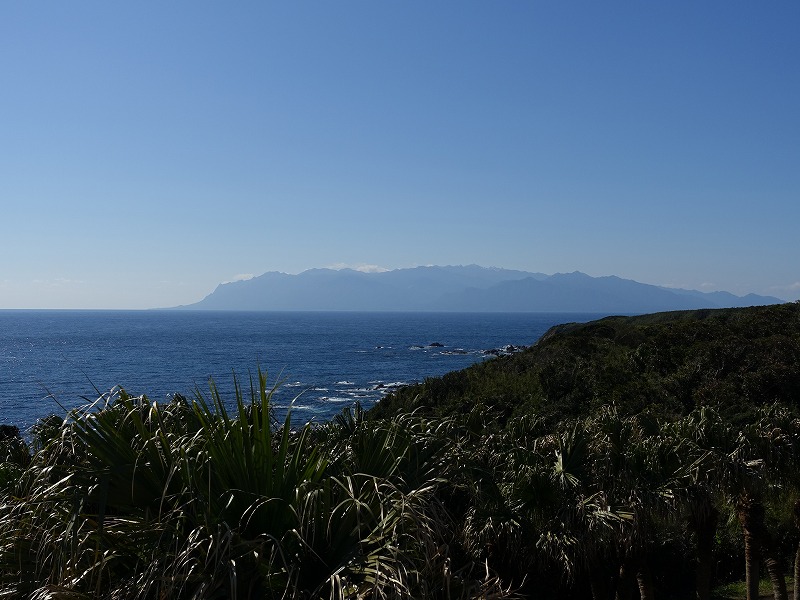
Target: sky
152,150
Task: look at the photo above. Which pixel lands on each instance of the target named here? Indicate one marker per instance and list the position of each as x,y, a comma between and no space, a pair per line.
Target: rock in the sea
505,350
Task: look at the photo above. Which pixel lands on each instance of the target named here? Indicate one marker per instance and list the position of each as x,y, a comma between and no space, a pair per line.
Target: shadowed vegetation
668,363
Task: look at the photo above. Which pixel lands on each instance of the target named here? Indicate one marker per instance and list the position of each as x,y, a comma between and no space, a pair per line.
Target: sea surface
52,361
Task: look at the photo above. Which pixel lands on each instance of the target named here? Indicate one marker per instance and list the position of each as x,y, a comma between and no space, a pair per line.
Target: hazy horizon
153,151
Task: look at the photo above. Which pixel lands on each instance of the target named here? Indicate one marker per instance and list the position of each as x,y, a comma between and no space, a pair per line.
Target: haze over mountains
459,288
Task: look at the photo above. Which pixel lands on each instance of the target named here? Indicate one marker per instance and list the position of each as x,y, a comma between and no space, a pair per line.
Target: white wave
394,384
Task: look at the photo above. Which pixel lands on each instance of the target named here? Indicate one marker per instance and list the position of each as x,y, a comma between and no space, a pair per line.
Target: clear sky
151,150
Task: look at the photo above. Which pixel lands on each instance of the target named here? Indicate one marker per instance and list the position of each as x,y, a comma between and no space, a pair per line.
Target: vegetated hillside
667,363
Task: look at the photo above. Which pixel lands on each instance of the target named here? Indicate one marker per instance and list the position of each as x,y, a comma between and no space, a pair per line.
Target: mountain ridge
458,288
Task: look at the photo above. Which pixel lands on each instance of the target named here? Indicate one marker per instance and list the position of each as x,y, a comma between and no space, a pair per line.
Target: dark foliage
666,363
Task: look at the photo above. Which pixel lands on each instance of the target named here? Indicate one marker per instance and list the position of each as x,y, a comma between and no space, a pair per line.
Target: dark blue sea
51,361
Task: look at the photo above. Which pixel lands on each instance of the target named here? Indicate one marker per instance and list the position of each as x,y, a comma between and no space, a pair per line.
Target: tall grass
211,497
131,498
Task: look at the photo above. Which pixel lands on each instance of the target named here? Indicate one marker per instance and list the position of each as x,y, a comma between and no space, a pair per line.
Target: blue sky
151,150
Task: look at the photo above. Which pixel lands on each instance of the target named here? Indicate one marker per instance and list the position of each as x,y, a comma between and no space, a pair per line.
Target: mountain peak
459,288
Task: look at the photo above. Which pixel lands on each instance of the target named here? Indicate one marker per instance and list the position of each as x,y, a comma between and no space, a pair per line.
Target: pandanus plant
745,467
193,499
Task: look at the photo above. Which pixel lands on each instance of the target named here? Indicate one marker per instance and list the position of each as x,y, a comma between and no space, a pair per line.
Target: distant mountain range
459,289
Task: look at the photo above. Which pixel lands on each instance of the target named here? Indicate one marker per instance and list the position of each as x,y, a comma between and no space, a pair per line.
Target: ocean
52,361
